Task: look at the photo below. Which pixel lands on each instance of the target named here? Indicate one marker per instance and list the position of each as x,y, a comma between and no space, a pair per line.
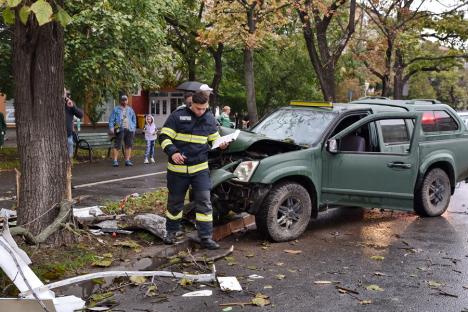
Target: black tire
285,212
433,196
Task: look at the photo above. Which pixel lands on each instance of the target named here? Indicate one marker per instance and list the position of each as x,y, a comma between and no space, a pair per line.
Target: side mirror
332,146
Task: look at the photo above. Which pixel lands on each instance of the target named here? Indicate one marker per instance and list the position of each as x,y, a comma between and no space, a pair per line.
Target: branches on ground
60,221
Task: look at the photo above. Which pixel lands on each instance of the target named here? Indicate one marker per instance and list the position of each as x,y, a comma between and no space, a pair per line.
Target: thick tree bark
250,84
218,75
40,122
398,79
322,56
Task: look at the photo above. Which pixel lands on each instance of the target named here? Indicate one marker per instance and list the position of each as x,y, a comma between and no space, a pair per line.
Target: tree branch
60,221
435,58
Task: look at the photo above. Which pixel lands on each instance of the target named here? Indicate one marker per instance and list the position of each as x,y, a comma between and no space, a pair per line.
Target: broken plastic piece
229,283
199,293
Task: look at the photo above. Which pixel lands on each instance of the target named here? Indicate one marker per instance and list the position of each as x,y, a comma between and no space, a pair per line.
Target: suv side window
395,138
394,131
438,121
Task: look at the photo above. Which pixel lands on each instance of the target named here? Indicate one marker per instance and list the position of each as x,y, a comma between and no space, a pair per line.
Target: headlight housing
245,170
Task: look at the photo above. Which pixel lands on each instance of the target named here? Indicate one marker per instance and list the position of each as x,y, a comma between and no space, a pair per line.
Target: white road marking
118,180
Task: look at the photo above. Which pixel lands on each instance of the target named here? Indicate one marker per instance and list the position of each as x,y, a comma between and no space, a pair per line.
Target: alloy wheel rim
437,192
289,213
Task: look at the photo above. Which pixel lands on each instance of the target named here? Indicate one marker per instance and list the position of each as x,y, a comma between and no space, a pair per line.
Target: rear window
438,121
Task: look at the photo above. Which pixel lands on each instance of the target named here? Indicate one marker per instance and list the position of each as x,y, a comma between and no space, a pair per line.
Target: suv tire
285,212
433,196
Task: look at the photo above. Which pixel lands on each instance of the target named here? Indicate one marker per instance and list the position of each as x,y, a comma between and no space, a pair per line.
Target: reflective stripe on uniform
204,217
172,217
191,138
213,136
165,143
187,169
169,132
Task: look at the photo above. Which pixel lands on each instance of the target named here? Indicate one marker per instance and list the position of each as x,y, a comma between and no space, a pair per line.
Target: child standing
150,137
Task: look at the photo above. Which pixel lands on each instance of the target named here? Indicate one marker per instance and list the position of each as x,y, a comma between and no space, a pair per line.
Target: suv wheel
433,196
285,213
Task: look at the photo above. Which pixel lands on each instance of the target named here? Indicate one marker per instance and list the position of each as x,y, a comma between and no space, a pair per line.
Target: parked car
464,117
305,158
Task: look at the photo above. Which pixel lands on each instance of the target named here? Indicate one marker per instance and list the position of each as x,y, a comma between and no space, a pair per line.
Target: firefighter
185,138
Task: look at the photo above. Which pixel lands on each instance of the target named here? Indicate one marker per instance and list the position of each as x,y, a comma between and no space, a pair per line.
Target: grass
151,202
9,157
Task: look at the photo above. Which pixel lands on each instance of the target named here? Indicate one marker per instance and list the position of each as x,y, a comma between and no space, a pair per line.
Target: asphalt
423,266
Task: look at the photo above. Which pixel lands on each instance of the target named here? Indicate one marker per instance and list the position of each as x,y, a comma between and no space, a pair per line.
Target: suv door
384,177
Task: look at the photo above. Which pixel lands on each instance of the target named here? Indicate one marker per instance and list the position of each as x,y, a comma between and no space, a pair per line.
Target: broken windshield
298,126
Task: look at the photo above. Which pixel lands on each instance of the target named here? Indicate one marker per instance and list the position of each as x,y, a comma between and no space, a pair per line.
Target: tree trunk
388,67
192,69
218,75
250,84
40,122
398,80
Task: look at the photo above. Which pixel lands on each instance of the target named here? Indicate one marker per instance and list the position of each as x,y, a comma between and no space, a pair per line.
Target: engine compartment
258,150
237,196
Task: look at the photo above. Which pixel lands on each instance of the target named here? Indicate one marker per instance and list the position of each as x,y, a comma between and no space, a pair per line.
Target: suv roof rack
433,101
374,97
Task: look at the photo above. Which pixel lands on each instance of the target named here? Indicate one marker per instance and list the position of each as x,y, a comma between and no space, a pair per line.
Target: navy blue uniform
191,136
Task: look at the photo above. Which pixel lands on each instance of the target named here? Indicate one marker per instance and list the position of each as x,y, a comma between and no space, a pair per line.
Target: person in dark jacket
70,112
3,129
186,138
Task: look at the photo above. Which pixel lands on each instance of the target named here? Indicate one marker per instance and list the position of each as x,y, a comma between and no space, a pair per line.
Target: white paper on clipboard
226,138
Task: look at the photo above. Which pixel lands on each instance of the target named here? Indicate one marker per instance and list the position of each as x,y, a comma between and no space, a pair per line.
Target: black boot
208,243
170,238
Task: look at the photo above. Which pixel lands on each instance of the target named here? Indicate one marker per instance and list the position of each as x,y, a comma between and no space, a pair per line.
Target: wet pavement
422,266
421,263
100,181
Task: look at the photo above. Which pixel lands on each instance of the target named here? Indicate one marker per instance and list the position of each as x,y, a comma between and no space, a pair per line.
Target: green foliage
283,73
95,113
113,45
449,86
6,73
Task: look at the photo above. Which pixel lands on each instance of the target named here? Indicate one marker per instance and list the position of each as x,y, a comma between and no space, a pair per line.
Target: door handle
399,164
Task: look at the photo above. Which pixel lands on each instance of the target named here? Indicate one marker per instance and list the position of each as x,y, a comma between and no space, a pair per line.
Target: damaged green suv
302,159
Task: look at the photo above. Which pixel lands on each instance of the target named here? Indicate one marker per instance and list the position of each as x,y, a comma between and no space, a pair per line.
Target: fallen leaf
377,258
227,309
175,260
102,262
96,298
267,287
292,251
434,284
322,282
252,267
260,300
292,270
280,276
374,288
250,255
151,291
365,302
138,280
185,282
279,263
380,274
129,244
